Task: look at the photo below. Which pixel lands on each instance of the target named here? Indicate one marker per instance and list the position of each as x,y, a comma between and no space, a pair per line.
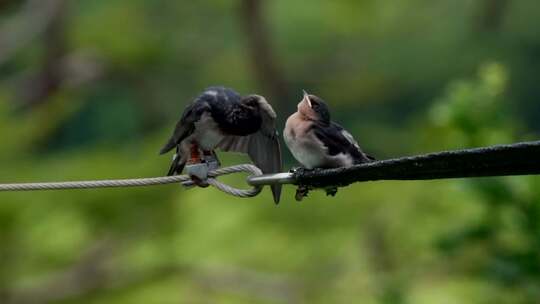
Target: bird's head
258,104
314,108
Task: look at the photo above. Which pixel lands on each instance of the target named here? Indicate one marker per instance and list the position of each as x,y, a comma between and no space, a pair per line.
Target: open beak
306,98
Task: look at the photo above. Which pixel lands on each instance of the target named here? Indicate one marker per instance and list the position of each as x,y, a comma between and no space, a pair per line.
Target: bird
220,118
316,141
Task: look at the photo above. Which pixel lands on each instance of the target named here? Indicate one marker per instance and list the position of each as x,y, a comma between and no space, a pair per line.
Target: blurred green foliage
404,77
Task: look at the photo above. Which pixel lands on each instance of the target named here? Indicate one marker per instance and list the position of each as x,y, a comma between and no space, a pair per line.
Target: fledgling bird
317,142
221,118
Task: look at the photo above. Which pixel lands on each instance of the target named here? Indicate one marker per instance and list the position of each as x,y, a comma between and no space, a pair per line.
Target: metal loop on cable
254,191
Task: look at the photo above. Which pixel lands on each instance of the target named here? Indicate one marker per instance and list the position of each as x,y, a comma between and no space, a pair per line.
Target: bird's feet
303,170
296,169
211,159
301,192
199,166
331,191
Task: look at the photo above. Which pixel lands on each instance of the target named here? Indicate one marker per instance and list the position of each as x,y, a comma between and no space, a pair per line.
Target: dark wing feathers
185,126
235,144
337,140
265,151
177,164
262,147
217,96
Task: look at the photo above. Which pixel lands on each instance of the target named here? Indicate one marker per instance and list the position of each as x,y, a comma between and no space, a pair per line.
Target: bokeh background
92,88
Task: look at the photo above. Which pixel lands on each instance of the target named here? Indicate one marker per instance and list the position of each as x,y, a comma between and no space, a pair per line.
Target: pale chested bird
316,141
221,118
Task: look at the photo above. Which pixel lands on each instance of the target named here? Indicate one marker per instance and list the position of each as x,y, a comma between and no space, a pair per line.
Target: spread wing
338,140
262,147
186,125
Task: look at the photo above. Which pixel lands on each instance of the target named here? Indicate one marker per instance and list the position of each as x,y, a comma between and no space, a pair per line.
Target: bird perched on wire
317,142
221,118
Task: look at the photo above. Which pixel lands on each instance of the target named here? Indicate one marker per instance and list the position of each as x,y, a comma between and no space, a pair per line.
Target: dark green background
91,89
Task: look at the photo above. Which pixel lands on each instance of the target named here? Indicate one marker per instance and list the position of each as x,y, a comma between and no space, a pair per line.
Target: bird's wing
178,163
338,140
353,141
265,151
186,124
262,147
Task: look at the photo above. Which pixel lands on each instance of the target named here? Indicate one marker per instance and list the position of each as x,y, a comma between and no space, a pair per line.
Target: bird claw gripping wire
303,190
199,171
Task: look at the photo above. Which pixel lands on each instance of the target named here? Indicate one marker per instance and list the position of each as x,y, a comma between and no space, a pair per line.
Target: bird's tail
364,158
177,165
168,146
370,158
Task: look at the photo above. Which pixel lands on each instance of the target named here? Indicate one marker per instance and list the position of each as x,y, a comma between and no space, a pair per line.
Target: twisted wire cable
138,182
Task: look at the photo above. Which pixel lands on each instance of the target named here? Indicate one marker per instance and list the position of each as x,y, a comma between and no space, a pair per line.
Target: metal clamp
272,179
199,170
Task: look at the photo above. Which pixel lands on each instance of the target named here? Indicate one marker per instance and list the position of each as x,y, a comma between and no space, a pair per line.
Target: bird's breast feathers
207,132
312,153
305,152
308,149
302,143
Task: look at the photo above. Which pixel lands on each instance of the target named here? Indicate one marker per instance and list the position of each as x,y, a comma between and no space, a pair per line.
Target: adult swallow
317,142
220,118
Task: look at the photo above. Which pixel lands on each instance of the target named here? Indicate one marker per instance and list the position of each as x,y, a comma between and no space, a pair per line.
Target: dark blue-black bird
221,118
317,142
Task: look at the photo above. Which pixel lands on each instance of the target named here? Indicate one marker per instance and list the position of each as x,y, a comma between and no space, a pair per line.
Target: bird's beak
306,98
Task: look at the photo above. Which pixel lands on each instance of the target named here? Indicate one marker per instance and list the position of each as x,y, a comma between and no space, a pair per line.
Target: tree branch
263,59
491,15
31,22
